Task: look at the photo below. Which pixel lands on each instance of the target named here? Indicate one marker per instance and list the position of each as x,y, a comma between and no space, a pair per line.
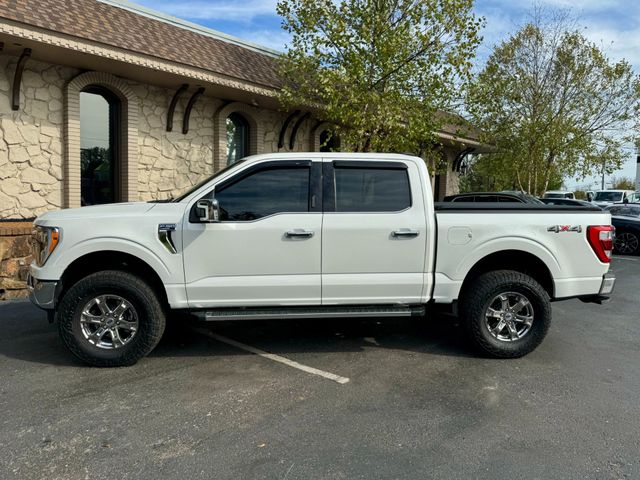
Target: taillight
601,240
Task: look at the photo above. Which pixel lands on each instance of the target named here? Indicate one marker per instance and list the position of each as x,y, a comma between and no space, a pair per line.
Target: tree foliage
378,70
554,105
623,183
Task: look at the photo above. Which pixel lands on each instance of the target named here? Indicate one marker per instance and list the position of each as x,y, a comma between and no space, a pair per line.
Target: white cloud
275,39
237,11
617,44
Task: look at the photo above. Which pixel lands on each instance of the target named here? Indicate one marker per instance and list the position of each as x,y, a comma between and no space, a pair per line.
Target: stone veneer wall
31,139
15,257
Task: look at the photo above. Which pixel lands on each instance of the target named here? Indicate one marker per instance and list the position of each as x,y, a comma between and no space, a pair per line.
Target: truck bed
495,206
554,234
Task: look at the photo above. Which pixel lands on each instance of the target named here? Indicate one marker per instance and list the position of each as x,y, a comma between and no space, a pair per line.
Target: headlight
44,242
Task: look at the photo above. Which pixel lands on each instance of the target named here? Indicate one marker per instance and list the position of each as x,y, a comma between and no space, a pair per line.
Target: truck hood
112,210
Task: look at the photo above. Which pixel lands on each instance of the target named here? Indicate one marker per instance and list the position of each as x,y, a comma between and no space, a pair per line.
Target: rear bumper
42,292
606,288
608,283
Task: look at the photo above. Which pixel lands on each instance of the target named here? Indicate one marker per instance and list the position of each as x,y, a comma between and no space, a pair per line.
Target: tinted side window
265,192
372,190
486,198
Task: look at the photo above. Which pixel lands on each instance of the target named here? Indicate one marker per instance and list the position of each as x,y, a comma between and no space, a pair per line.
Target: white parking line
274,357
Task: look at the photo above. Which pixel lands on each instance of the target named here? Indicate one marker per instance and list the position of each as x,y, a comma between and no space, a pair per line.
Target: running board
310,312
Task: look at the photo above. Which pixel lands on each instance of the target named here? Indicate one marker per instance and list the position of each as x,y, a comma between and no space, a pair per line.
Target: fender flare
112,244
518,244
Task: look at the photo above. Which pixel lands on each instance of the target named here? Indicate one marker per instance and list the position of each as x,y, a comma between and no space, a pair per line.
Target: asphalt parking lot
416,404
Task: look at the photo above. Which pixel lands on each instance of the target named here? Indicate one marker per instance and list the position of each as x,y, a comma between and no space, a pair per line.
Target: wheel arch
111,260
516,260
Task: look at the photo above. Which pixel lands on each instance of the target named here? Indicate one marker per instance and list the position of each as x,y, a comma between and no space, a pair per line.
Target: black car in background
501,197
626,219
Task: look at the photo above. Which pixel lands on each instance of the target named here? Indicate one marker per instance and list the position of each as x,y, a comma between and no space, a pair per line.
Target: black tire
477,299
626,243
148,310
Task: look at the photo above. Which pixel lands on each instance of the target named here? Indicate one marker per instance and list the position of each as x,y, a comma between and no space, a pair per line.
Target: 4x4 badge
565,228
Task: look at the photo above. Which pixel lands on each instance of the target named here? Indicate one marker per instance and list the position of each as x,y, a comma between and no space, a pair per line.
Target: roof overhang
58,48
458,141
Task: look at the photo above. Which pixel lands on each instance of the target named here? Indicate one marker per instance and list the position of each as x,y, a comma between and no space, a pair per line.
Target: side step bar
263,313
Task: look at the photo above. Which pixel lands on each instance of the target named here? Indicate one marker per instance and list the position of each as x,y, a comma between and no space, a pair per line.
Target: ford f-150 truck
314,235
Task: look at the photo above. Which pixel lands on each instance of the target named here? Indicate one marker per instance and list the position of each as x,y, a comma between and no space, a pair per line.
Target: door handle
405,233
298,233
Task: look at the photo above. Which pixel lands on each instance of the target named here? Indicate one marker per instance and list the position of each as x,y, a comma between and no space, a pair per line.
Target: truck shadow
27,336
438,335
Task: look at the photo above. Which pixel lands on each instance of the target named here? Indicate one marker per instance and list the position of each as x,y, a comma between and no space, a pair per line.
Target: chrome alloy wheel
108,321
626,243
509,316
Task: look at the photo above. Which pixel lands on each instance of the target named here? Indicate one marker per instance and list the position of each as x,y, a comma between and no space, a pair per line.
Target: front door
374,233
265,251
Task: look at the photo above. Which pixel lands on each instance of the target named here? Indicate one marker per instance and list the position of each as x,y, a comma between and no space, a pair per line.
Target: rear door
373,235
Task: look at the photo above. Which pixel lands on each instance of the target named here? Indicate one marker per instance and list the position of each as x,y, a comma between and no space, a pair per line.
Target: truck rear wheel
507,314
111,319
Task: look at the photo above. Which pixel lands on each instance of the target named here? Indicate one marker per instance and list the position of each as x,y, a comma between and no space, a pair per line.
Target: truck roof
336,155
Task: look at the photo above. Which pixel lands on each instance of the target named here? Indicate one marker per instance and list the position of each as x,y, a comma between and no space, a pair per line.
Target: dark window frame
329,182
240,120
332,142
115,140
315,188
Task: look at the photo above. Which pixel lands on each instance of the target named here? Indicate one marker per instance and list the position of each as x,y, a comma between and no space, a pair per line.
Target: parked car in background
604,198
626,219
493,197
559,194
566,201
631,198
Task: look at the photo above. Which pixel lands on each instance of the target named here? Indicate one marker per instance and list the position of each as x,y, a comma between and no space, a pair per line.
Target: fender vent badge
164,235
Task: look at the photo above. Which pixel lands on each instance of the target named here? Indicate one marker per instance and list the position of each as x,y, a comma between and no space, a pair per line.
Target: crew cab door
374,233
265,250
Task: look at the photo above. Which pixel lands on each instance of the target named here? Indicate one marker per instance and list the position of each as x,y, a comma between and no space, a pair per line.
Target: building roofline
190,26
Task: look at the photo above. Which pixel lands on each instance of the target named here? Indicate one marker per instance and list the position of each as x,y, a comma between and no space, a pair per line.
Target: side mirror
208,210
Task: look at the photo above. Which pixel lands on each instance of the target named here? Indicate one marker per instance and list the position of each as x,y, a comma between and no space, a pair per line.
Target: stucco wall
31,139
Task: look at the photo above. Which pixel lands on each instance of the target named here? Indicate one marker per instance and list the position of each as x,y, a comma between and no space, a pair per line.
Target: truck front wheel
111,319
506,313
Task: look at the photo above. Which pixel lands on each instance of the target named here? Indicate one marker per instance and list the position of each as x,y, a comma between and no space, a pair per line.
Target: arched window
237,138
329,142
99,142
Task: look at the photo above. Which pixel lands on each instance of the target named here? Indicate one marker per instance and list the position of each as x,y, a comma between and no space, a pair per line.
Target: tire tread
473,302
146,339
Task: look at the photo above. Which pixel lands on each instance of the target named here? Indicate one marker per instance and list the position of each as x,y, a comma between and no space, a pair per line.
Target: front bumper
606,288
42,292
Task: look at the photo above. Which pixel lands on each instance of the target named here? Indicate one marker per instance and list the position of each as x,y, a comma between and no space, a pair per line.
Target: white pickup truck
314,235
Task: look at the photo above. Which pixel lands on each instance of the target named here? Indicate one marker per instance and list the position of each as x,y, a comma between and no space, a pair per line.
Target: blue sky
613,24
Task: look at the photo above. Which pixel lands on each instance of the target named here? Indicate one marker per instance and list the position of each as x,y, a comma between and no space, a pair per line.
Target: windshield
207,180
554,195
625,211
608,196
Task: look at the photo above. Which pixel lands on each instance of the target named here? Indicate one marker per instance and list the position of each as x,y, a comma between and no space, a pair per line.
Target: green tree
486,173
378,70
554,105
623,183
